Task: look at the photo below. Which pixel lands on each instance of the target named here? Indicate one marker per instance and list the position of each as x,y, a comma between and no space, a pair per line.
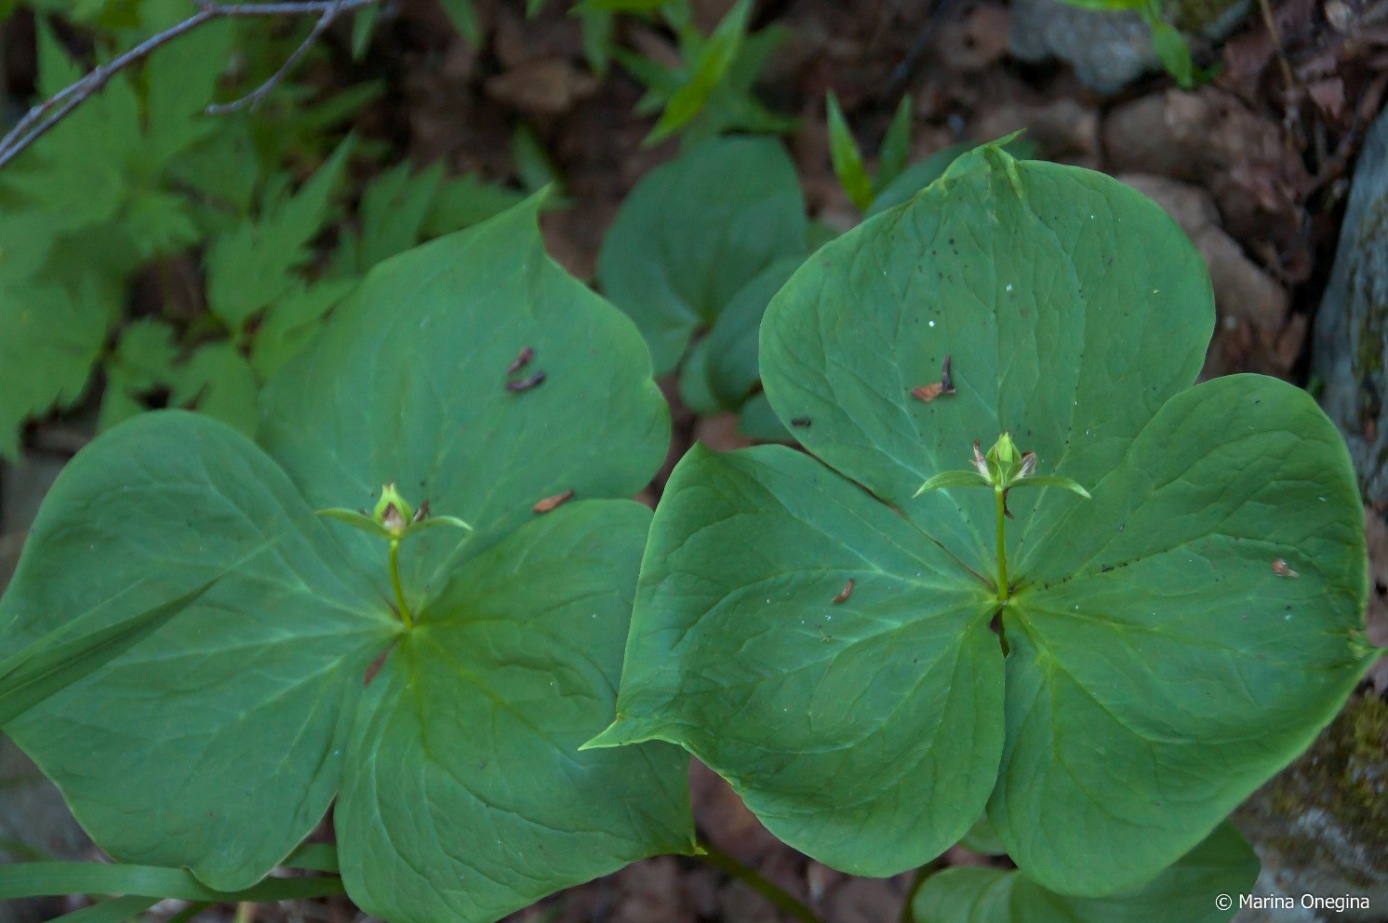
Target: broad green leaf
408,385
1222,864
1155,630
35,879
1170,643
731,367
983,839
145,515
51,340
251,266
847,157
509,811
56,661
110,910
694,232
416,361
439,327
695,389
827,656
756,420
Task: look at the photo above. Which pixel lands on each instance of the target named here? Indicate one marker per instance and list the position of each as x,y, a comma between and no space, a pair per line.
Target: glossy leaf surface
695,231
218,739
1159,664
1187,892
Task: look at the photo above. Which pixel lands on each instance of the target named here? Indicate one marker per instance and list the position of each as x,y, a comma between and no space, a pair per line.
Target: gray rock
1108,48
1351,337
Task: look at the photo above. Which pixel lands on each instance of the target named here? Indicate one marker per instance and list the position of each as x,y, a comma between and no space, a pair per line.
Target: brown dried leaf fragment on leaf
1280,568
928,392
525,384
847,591
521,361
945,385
550,503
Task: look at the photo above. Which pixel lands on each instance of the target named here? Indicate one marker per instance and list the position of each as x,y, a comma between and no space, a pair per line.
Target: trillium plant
1154,605
1028,586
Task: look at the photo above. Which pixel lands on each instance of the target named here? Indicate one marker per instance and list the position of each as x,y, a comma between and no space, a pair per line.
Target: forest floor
1256,165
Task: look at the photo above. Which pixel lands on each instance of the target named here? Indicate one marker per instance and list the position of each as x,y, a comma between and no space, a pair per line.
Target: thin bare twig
43,117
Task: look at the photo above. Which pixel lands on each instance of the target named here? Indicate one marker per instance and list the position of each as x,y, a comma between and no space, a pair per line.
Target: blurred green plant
847,156
710,92
104,222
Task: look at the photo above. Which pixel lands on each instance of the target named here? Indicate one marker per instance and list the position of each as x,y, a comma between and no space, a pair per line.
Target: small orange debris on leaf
549,503
847,591
1280,568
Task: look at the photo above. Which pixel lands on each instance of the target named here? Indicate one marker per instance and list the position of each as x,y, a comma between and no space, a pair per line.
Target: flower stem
768,889
1003,590
405,615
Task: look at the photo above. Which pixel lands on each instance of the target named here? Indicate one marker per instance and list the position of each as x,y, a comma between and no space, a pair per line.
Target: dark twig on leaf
42,117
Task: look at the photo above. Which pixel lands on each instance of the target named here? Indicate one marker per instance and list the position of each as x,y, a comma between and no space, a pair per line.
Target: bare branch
42,117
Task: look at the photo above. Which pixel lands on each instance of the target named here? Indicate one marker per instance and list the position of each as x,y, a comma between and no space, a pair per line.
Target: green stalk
405,615
1001,496
779,897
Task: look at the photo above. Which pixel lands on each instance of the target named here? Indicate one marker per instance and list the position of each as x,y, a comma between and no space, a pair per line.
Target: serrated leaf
51,341
159,223
1158,666
254,264
463,201
293,322
1187,892
182,78
218,381
694,232
393,210
143,360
